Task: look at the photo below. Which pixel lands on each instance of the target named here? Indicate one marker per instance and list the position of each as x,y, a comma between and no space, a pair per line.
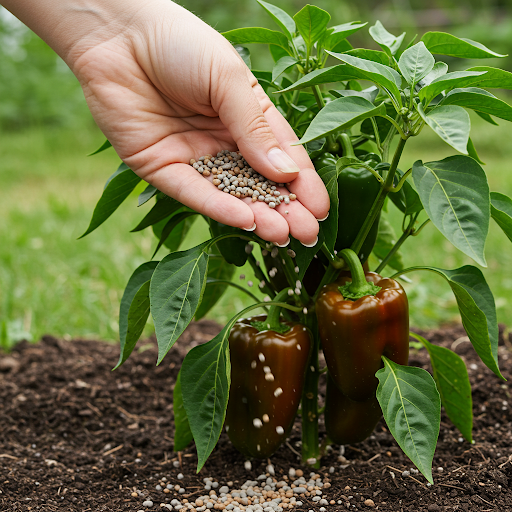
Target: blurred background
50,282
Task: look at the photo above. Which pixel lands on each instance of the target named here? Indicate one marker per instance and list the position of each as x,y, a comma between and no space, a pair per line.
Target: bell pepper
347,421
357,190
324,160
360,319
232,249
267,377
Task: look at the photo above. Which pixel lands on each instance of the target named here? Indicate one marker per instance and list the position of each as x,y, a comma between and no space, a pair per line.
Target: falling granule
280,430
261,357
298,284
242,277
269,377
297,270
257,422
265,418
278,392
253,364
262,284
248,465
275,252
299,347
305,311
249,284
291,253
266,369
258,447
290,292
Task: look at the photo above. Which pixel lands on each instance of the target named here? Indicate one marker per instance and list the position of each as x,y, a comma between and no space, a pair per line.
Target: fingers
240,111
308,186
186,185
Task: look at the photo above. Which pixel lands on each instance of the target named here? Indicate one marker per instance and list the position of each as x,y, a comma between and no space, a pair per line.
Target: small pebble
369,503
147,504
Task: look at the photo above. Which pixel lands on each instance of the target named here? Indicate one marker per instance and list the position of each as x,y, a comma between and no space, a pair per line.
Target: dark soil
75,436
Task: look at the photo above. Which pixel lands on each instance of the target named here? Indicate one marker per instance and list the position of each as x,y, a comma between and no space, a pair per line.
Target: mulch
76,436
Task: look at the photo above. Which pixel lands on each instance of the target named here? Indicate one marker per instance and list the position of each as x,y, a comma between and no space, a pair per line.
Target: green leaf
104,146
245,54
257,35
322,76
304,255
175,239
176,289
455,195
373,55
479,100
283,19
451,123
442,43
387,41
329,175
411,407
206,376
440,69
161,209
406,199
171,224
386,240
277,53
452,380
501,211
487,118
281,66
385,77
134,309
147,194
182,433
340,114
493,78
477,310
472,152
448,82
218,268
340,32
311,22
117,189
416,63
368,94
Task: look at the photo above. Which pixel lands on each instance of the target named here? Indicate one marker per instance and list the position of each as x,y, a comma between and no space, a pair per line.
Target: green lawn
50,282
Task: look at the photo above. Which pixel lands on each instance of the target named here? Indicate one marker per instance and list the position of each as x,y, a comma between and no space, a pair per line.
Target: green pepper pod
267,377
355,334
357,190
347,421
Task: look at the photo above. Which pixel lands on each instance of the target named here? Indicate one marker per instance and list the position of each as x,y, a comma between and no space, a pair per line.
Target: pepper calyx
359,287
349,294
265,326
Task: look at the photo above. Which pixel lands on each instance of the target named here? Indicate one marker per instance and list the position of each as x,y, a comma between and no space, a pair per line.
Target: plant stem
261,276
379,200
332,145
405,235
359,286
309,409
292,276
274,315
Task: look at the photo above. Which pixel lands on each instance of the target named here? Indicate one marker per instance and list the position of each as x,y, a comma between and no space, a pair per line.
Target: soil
75,436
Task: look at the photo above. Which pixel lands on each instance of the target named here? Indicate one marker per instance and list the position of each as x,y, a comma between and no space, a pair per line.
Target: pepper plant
354,109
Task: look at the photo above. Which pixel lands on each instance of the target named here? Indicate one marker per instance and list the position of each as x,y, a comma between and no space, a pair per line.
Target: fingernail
320,220
281,161
310,245
283,245
250,229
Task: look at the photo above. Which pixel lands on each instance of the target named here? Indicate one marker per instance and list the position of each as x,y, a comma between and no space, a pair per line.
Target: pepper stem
346,143
359,287
272,323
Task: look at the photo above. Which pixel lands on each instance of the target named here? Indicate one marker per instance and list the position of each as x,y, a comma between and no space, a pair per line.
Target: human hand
167,88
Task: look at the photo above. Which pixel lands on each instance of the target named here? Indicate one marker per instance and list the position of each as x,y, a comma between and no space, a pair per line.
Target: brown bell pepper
358,327
347,421
267,377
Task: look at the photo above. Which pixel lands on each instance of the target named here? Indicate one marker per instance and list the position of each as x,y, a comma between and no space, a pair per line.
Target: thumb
243,115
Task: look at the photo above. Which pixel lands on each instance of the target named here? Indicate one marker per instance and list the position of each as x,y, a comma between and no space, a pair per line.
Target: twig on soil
374,457
485,501
500,466
5,455
113,450
478,450
416,480
292,449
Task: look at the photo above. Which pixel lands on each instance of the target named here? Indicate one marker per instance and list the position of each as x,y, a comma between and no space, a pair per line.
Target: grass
52,283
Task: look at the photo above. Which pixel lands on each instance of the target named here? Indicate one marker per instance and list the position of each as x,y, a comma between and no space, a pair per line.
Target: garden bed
77,437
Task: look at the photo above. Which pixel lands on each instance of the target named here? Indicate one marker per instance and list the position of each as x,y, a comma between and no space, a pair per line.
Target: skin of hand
165,87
